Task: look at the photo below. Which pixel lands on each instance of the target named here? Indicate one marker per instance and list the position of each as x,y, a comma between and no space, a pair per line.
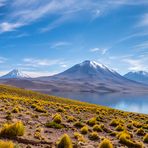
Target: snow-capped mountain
15,74
139,76
91,70
88,76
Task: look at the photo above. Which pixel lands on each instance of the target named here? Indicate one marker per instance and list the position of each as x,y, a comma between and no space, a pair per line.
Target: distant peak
93,64
15,73
86,61
140,72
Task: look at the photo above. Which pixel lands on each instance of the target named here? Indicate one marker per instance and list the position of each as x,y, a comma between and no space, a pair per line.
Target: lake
127,102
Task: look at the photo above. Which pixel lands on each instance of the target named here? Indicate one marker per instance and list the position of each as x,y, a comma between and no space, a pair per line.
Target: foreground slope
40,120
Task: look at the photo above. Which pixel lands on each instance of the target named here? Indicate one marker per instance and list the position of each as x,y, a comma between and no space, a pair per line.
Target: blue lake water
127,102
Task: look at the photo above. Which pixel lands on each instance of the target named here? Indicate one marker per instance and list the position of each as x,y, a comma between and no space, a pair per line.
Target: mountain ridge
15,74
87,76
139,76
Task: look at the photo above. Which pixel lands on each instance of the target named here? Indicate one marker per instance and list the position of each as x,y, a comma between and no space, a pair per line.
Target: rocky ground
35,120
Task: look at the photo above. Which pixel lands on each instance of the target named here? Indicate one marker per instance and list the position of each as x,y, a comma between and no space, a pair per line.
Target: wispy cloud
6,27
143,21
100,50
133,35
39,62
39,73
3,60
2,2
24,12
129,2
136,64
60,44
141,46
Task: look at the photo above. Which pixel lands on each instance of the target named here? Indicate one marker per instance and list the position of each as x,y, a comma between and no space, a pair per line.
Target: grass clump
92,121
70,119
57,118
114,122
106,143
94,136
78,124
79,137
113,133
130,126
40,109
145,138
119,128
84,129
6,144
125,139
140,132
13,130
137,124
53,124
60,109
15,110
65,142
97,128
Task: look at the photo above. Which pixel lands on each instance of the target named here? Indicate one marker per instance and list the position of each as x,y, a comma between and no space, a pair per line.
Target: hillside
38,120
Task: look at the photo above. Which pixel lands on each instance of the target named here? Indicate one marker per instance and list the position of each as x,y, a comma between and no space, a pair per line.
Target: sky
49,36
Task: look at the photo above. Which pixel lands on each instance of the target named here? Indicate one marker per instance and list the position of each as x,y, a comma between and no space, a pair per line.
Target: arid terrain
31,120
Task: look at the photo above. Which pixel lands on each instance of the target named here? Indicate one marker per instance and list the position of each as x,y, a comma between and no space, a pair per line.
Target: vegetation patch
65,142
106,143
6,144
46,118
53,124
94,136
13,130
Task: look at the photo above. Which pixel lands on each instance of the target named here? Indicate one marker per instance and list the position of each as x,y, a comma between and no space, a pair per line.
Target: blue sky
49,36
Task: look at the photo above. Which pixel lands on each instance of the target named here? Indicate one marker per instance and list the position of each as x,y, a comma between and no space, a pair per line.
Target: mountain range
139,76
88,76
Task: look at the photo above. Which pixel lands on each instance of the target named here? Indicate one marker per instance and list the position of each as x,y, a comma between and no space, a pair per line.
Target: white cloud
40,62
56,23
29,63
128,2
141,46
134,35
60,44
3,60
63,65
21,35
3,72
101,50
136,64
24,12
39,73
144,21
5,26
2,2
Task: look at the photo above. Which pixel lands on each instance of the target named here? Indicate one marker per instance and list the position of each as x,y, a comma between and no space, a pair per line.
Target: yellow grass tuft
13,130
65,142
